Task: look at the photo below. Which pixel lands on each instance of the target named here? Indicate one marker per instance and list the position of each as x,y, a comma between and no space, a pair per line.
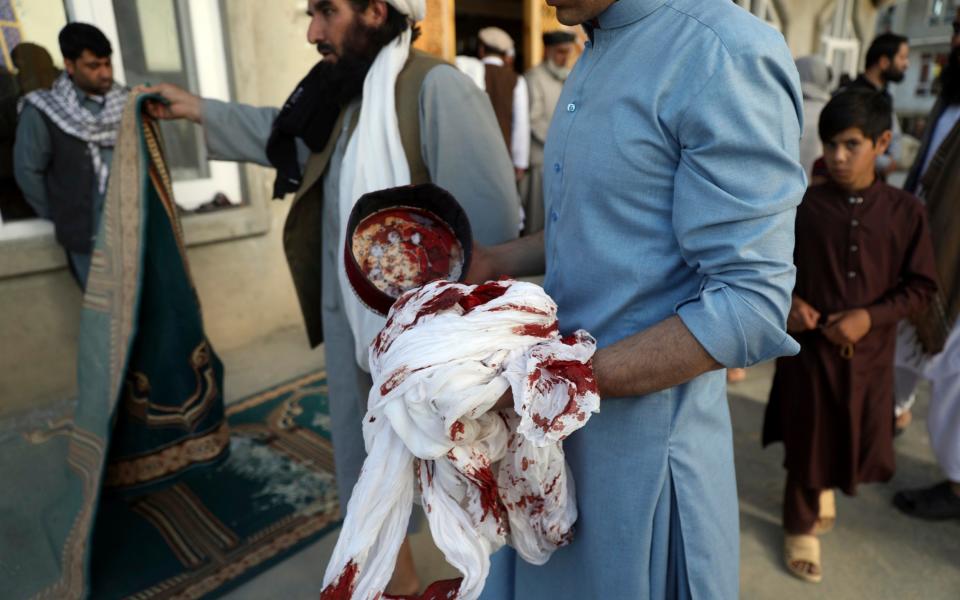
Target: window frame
29,246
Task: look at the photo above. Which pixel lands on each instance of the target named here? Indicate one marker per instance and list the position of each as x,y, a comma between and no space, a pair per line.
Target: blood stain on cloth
456,429
400,249
342,588
542,330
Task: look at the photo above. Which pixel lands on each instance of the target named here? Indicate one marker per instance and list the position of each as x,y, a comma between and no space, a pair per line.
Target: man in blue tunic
671,184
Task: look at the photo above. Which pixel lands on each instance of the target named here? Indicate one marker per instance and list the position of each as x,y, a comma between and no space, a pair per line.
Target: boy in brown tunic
864,261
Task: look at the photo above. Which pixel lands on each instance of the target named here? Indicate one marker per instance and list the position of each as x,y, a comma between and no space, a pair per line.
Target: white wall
41,21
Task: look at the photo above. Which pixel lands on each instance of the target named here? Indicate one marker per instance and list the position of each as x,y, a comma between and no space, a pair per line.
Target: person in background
65,141
508,94
935,178
544,83
35,70
864,262
887,61
815,79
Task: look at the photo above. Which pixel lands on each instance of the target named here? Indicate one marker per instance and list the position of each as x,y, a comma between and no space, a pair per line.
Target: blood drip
342,588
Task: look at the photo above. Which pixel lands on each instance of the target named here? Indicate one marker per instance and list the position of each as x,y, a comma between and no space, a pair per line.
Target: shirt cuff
733,331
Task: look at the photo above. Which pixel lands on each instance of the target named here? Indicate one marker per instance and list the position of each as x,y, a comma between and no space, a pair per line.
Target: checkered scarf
61,104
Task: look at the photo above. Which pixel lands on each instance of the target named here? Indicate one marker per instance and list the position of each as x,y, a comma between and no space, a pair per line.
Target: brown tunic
500,82
835,416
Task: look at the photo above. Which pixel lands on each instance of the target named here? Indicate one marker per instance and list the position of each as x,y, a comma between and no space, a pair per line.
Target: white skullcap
496,38
414,9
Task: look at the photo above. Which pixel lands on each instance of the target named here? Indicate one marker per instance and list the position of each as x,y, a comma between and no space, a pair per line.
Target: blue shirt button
554,216
556,167
571,107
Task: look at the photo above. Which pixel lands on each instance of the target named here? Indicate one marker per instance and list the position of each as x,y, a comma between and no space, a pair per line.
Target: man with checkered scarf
65,139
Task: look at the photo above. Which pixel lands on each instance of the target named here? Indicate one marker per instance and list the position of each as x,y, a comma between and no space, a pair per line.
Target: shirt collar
493,60
625,12
82,95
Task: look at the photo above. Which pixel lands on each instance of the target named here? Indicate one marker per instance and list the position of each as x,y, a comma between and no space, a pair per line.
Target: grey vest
69,185
301,235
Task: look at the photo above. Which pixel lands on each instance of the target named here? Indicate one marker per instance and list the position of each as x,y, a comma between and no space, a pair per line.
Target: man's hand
482,266
519,173
180,104
847,327
802,317
518,258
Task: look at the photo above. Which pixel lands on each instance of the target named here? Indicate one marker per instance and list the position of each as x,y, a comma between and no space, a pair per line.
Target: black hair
869,111
885,44
77,37
395,24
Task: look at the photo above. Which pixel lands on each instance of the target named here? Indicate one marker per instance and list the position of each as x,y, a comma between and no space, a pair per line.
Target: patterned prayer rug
218,527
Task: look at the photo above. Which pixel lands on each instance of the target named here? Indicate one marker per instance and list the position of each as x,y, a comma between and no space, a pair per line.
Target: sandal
801,553
828,513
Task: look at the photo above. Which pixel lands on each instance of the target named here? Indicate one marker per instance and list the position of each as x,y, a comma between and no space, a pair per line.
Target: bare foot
404,581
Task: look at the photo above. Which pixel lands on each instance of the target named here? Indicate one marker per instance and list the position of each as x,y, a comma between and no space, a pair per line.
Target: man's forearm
522,257
655,359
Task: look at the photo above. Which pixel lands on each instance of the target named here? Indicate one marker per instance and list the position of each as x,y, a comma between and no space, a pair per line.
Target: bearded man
372,114
544,84
887,61
935,178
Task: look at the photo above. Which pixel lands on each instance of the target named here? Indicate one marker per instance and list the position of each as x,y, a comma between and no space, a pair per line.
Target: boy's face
850,157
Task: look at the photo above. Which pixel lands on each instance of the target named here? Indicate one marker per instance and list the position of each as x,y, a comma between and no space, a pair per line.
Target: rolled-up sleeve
737,187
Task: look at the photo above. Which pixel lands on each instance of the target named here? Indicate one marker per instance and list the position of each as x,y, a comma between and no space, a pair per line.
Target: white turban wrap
485,477
374,160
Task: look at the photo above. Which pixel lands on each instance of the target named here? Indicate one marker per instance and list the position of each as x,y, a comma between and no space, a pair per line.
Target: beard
560,73
950,78
892,75
344,77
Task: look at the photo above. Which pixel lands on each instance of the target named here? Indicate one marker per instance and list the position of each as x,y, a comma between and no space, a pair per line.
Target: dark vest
69,185
302,240
501,82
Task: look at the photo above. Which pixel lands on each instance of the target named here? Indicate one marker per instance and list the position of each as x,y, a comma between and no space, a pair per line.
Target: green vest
302,239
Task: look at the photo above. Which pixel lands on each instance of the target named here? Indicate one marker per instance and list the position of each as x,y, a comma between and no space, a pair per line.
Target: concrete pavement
874,552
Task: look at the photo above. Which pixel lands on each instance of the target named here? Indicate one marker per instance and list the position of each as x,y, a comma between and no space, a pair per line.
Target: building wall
243,282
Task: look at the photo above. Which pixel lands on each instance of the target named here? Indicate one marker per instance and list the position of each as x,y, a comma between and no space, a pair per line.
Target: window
12,34
942,11
155,43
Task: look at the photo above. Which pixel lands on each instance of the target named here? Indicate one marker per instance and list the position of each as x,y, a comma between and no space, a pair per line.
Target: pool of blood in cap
437,247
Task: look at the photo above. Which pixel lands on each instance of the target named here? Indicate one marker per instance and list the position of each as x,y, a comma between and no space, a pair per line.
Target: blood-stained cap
411,234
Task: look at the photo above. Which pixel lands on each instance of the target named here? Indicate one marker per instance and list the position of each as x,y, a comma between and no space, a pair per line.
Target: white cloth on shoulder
446,355
374,160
